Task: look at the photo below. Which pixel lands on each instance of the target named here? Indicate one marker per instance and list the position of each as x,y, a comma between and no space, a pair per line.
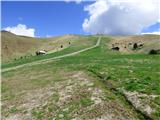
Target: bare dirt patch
142,102
76,97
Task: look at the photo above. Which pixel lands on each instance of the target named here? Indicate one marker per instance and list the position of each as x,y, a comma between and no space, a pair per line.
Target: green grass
13,110
143,78
132,72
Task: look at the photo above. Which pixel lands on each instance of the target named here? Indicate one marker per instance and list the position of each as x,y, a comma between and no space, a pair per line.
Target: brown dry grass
14,46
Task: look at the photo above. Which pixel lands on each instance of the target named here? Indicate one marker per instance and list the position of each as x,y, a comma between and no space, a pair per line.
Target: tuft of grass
86,102
13,110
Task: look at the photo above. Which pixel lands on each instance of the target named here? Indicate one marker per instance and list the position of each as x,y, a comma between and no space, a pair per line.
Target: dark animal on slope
141,45
135,46
153,51
130,43
115,48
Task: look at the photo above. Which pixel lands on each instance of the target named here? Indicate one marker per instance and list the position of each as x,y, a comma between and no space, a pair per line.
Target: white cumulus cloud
120,17
21,29
153,32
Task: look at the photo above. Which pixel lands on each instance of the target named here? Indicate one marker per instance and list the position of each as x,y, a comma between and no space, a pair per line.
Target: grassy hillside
80,42
96,84
15,47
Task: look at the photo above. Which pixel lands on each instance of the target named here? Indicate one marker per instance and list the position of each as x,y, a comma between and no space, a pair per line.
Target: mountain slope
14,46
95,84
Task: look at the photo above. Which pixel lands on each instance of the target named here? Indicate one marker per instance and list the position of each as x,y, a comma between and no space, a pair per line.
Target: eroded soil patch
76,97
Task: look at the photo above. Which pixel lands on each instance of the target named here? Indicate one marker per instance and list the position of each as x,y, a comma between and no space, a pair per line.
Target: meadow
98,83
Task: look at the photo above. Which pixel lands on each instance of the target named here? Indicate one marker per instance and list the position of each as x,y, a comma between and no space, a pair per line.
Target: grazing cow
41,52
153,51
115,48
141,45
135,46
129,43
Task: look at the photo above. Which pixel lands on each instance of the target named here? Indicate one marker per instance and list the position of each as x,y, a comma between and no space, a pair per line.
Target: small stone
90,84
61,115
130,71
66,109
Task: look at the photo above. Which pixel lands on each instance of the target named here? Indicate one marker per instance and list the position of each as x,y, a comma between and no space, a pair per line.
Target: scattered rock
141,101
61,115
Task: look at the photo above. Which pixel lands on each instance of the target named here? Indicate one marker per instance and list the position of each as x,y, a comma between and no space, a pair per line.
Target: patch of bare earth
142,102
77,96
81,85
27,102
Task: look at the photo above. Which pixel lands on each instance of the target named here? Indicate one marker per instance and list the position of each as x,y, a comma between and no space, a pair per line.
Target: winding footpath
54,58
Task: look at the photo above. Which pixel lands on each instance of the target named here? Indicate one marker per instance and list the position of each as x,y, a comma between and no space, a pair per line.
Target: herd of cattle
133,46
115,46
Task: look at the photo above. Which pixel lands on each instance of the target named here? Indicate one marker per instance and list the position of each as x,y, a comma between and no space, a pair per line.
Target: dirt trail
54,58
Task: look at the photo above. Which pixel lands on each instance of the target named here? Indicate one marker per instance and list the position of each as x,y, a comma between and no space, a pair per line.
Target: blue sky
47,18
152,28
58,18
